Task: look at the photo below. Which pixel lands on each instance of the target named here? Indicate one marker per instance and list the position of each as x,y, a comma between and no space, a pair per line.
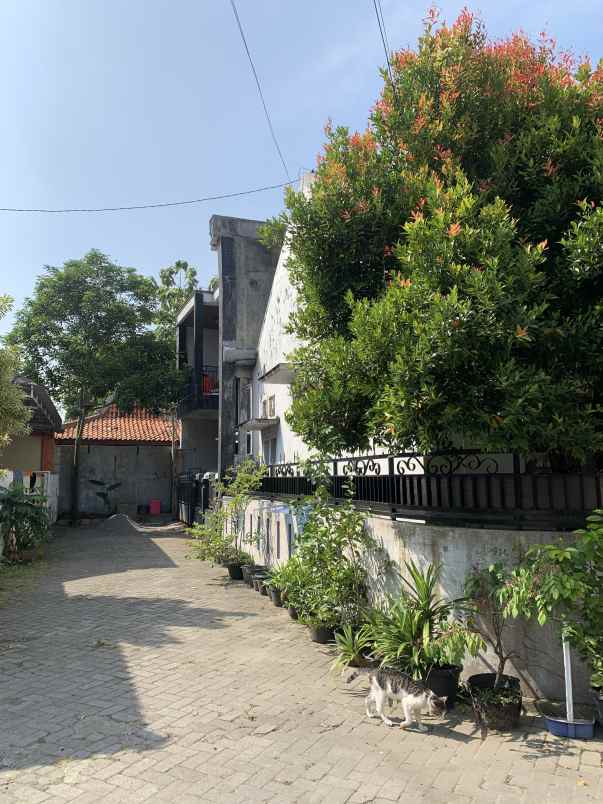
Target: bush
24,520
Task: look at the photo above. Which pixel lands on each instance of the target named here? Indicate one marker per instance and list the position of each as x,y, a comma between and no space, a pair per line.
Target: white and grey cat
394,686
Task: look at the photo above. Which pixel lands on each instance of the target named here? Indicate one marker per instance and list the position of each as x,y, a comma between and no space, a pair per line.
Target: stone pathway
129,673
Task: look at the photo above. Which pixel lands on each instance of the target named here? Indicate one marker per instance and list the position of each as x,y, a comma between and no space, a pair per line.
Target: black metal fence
468,488
192,495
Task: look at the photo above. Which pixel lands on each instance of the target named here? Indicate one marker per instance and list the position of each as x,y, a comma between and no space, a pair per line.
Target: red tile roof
108,425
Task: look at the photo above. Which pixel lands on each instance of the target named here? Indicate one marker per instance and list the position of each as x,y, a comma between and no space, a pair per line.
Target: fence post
517,485
391,482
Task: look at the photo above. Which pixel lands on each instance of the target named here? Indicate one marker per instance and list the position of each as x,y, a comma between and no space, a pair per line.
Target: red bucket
155,507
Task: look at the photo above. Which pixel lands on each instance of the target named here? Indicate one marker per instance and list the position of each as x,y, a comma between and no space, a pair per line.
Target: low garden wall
538,663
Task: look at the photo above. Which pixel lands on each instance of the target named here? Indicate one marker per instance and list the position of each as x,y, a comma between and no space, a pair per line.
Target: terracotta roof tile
138,427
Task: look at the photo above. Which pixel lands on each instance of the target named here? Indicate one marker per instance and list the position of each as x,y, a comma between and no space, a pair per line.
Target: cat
395,686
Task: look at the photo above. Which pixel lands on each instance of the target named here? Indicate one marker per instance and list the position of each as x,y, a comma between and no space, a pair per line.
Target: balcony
203,392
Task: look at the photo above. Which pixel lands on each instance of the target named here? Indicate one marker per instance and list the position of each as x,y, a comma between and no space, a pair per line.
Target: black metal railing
471,488
203,392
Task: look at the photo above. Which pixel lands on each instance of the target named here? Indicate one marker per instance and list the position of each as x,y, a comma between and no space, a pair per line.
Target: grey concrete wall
199,444
24,453
539,661
143,473
246,270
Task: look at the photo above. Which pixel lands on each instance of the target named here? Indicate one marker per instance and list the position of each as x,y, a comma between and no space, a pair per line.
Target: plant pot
322,634
444,680
580,728
246,570
293,612
499,716
235,571
257,578
275,594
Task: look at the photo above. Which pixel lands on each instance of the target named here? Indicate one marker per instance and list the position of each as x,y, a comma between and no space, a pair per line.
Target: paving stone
147,677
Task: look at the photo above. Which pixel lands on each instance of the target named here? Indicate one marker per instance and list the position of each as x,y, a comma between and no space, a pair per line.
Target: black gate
193,496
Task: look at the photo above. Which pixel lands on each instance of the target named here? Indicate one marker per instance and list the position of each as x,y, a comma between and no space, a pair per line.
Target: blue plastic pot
577,729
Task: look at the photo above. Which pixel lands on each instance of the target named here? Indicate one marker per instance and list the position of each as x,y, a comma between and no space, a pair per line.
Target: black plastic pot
322,634
493,715
257,579
275,594
444,680
247,569
235,571
293,612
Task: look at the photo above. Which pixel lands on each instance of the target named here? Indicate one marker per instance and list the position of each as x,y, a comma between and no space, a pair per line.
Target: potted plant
418,633
24,522
276,583
220,537
354,646
561,582
496,697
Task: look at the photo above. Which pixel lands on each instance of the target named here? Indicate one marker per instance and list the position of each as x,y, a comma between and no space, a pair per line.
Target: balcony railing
203,392
467,488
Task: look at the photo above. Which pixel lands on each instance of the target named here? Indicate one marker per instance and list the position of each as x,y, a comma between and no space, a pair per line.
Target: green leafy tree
13,412
177,283
87,334
448,261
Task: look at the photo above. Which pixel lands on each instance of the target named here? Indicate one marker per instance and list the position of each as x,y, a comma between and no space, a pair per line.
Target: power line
259,86
157,205
382,31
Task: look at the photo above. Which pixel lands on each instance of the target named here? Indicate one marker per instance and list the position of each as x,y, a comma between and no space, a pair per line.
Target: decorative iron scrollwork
412,464
449,464
361,466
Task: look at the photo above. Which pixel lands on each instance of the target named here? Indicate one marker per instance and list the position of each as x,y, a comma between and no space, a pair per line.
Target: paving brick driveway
129,673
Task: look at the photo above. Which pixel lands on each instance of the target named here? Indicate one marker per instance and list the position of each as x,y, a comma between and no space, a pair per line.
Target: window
258,533
271,407
290,544
268,544
249,444
264,408
278,538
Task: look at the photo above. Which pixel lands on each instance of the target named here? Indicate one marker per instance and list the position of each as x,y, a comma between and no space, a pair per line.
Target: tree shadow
66,690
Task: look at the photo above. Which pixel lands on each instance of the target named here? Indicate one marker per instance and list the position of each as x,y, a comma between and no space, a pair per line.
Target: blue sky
115,102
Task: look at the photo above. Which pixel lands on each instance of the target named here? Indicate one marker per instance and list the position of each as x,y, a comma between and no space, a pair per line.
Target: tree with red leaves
449,262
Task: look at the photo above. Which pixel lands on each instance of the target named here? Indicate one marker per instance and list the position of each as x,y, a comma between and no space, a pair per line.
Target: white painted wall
539,662
275,346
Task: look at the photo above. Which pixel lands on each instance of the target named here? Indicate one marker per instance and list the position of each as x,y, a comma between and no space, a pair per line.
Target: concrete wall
24,453
245,270
539,662
143,473
199,444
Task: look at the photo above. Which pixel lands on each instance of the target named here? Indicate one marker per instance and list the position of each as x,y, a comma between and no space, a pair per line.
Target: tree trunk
75,469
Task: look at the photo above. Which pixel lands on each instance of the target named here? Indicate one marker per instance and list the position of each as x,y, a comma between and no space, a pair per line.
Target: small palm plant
353,646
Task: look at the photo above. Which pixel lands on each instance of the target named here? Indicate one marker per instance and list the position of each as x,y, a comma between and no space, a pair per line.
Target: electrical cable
382,31
259,86
157,205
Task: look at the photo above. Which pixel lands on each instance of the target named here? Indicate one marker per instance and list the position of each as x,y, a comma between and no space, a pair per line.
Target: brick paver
131,674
